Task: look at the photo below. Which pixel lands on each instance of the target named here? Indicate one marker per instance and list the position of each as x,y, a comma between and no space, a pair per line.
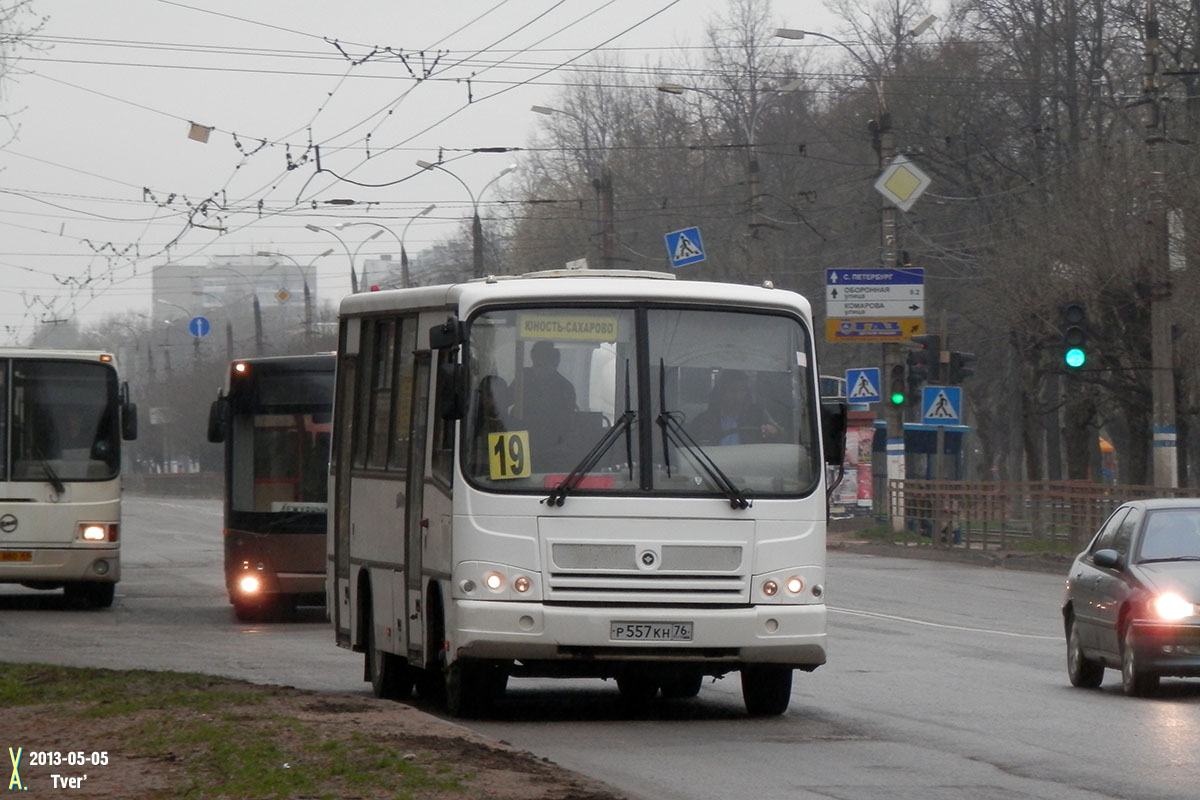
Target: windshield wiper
624,423
1168,558
52,477
674,433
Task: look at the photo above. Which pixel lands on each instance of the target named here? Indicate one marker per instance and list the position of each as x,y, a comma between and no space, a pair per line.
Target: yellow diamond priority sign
902,183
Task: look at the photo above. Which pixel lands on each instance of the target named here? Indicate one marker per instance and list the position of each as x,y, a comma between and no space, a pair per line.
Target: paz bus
528,479
273,416
65,414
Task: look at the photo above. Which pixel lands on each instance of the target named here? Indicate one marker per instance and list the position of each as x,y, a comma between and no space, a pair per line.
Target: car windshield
1171,535
716,402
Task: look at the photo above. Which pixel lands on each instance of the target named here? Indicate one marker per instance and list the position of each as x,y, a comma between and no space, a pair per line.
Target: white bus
64,414
530,477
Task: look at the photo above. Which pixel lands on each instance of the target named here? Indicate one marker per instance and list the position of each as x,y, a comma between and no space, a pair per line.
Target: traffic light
898,394
960,367
1074,334
922,362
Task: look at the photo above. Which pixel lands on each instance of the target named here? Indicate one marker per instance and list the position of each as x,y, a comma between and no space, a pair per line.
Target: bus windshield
65,421
663,399
279,444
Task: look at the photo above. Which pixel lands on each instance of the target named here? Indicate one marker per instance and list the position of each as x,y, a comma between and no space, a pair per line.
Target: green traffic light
1075,357
897,399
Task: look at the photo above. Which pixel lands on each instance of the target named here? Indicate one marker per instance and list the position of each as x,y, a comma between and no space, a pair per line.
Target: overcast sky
102,181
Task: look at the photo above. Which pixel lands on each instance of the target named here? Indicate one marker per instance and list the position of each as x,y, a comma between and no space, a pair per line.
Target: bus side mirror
448,334
129,421
218,419
128,415
833,432
450,386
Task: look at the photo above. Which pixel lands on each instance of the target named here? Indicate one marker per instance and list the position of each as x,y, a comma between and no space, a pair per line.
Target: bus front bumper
775,634
59,565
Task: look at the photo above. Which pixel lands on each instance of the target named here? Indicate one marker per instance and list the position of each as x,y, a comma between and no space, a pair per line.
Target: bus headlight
487,580
249,584
793,585
96,532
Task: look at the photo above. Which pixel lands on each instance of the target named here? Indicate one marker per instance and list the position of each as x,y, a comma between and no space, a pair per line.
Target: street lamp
353,276
258,330
881,131
404,275
603,186
303,270
750,128
361,245
476,225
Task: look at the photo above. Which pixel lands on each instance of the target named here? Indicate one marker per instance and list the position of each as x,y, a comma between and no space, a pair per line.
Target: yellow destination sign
557,326
896,329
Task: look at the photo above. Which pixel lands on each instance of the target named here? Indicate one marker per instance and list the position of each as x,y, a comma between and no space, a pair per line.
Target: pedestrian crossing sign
684,247
862,385
941,405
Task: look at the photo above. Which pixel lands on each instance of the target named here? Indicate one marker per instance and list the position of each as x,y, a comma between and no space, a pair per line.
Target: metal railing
996,515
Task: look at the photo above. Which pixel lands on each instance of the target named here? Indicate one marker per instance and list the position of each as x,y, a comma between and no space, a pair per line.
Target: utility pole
608,232
885,148
1166,458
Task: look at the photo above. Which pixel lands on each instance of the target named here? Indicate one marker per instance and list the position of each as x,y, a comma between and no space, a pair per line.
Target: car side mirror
1107,558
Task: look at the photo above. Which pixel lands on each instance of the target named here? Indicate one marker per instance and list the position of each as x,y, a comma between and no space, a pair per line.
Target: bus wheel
637,687
247,611
766,689
90,595
682,684
389,676
472,687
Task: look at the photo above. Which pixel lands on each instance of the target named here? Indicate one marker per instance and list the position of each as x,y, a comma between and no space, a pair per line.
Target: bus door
338,599
415,523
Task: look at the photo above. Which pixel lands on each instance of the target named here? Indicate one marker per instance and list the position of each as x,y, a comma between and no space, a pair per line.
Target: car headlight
1171,606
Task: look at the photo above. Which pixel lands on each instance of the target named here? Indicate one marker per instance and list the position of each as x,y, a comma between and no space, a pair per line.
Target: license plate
16,555
650,631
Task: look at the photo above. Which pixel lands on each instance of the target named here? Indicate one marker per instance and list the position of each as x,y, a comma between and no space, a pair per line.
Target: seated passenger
547,408
732,417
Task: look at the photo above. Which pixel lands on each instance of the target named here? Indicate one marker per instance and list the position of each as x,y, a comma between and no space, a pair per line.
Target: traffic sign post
882,305
902,183
199,327
684,247
941,405
863,386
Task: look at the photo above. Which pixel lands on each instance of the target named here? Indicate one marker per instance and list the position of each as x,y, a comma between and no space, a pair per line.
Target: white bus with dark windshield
579,474
64,415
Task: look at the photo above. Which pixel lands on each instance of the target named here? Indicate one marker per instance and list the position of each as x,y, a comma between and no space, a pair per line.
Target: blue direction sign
199,327
684,247
941,405
878,304
884,277
862,385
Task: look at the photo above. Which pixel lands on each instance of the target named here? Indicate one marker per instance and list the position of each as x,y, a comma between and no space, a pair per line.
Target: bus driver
547,404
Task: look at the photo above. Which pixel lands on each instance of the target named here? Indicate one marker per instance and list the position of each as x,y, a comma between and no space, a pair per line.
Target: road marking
854,612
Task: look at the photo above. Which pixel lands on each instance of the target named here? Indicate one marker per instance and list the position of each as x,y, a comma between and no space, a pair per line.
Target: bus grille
625,572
